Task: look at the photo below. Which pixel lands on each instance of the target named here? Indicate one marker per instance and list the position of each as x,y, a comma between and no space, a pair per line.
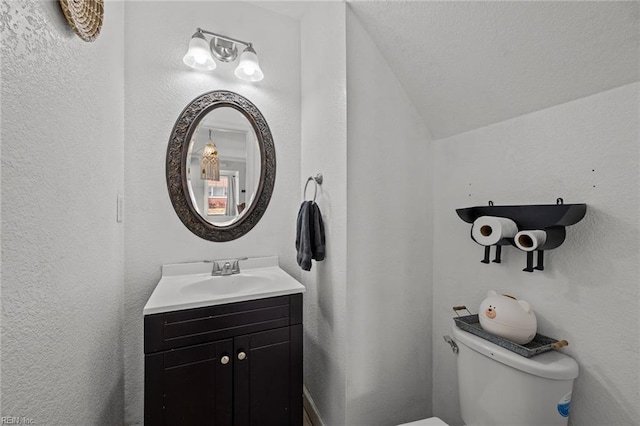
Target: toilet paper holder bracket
548,218
487,254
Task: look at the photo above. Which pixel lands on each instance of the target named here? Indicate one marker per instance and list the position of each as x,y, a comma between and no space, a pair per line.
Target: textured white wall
62,258
389,243
585,151
158,87
62,121
324,150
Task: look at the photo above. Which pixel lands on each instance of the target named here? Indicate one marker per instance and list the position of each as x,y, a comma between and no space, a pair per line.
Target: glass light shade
199,56
210,163
249,69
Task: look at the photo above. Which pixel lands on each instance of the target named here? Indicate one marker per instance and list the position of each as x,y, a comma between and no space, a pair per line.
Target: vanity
222,339
224,350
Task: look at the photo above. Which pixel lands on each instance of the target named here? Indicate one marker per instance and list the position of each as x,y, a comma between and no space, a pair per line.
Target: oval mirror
220,166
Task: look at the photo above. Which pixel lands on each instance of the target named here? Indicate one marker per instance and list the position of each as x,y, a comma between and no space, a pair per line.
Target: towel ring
317,180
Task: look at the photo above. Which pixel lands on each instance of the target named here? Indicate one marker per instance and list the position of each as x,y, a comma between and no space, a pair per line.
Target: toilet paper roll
489,230
530,240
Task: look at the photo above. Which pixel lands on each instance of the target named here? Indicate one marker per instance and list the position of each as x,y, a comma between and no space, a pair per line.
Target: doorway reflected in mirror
223,201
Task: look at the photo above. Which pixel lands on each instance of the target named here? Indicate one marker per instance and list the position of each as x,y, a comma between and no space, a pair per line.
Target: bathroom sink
191,285
251,282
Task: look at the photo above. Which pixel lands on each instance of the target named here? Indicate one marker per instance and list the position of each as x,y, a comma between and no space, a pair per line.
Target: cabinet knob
224,360
242,356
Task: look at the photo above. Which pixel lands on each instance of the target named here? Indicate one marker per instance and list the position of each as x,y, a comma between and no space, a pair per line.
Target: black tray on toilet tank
539,344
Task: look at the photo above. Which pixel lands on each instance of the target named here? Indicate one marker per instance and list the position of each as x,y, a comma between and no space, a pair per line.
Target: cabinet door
190,386
268,378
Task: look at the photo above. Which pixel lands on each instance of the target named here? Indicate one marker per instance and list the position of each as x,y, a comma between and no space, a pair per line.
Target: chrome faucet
235,268
216,268
227,268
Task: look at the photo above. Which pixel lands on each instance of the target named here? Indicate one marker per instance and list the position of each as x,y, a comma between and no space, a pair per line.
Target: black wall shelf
528,217
551,218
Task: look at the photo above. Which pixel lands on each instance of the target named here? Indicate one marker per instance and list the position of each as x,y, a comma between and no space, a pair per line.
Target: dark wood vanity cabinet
235,364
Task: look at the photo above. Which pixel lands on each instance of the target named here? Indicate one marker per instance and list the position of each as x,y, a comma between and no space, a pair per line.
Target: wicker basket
84,16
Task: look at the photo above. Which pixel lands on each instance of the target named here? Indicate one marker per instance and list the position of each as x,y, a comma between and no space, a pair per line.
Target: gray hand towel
317,231
303,236
310,238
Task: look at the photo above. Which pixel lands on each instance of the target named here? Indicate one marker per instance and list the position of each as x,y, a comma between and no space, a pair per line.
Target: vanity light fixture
201,53
210,162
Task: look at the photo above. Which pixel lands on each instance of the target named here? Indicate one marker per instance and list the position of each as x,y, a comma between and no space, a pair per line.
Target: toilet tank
498,387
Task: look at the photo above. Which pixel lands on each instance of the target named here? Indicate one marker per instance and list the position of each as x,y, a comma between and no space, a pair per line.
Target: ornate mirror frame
176,166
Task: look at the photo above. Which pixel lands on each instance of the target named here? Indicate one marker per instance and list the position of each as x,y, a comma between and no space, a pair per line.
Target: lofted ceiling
468,64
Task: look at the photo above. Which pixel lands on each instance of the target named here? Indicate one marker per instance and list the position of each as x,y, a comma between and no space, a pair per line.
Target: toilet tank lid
550,365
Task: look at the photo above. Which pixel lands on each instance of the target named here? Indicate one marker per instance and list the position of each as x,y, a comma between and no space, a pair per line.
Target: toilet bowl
431,421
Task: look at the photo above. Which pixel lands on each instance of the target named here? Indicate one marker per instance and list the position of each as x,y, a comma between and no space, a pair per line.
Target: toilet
498,387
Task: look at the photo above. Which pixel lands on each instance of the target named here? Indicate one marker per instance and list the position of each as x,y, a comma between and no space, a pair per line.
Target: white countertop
190,285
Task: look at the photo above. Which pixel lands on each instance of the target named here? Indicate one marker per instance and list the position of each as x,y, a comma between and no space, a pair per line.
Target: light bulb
199,56
249,69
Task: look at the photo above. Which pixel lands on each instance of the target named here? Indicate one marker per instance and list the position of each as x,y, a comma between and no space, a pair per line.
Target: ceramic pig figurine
508,317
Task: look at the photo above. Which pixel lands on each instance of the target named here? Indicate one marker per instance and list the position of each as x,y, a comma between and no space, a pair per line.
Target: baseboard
310,407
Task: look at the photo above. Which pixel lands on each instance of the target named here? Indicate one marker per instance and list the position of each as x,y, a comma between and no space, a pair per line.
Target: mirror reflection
224,166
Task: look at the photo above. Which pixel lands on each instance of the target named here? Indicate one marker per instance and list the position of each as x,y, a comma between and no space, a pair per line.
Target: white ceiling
294,9
469,64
